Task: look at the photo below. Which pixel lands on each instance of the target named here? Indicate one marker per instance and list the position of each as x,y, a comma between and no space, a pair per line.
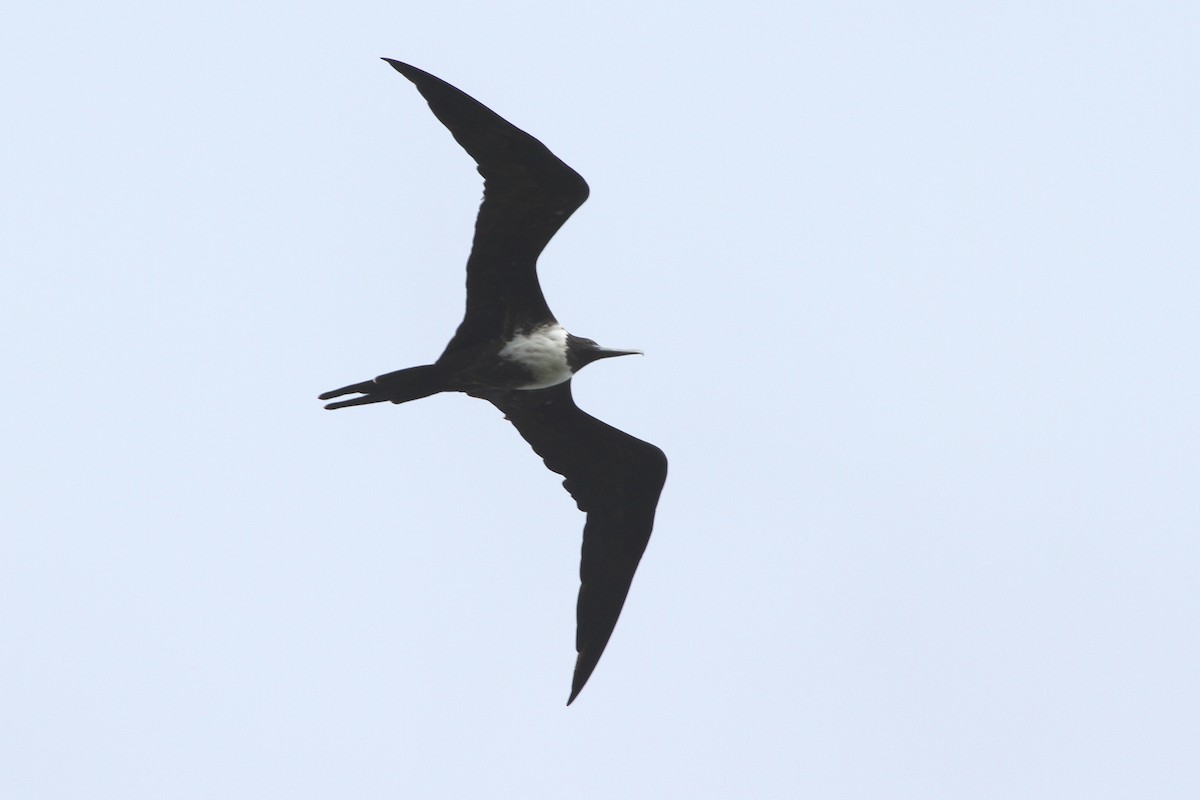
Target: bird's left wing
616,480
528,193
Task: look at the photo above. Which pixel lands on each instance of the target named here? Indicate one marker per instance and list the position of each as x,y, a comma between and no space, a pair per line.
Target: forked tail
397,387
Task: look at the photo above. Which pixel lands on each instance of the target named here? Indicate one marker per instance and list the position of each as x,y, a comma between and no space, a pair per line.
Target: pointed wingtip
584,667
406,70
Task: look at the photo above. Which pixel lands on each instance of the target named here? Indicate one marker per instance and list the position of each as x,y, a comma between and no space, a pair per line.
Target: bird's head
581,352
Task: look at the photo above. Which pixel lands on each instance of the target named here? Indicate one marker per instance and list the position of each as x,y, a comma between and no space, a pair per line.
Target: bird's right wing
528,193
616,480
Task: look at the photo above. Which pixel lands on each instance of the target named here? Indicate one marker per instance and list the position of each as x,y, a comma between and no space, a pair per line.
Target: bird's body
510,350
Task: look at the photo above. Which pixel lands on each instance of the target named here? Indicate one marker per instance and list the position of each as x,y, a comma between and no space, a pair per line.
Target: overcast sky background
918,289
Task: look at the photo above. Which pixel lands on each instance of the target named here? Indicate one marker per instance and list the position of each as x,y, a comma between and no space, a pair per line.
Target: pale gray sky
918,290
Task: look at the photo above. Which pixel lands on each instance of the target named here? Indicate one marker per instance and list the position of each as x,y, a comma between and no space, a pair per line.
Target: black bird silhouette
510,350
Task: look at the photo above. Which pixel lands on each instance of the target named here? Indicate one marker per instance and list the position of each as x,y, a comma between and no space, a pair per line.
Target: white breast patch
543,352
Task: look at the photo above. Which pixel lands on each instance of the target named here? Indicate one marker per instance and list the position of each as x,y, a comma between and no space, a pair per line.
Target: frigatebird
511,351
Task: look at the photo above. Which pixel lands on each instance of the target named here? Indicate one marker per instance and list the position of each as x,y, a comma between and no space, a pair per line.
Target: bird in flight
511,351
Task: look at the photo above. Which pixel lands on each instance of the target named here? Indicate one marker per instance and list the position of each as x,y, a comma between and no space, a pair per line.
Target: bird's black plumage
510,350
616,480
